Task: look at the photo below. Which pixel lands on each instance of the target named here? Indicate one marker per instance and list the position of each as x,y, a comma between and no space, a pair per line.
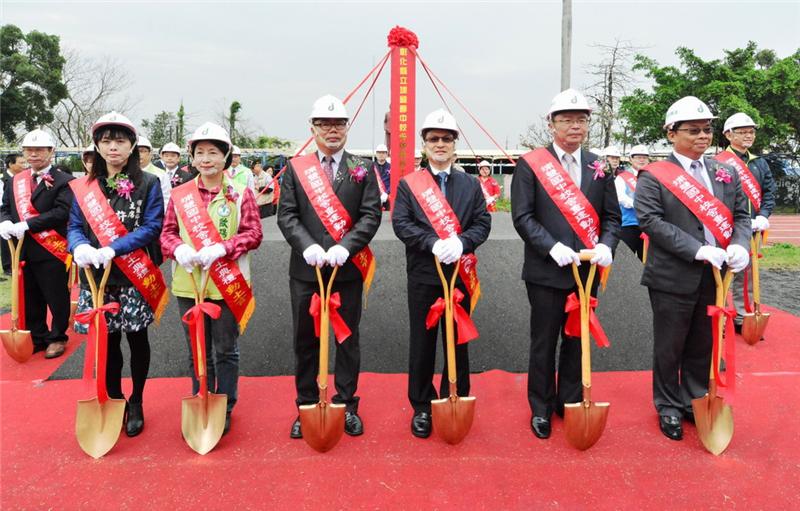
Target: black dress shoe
352,424
296,432
688,417
135,423
39,347
227,423
671,427
540,427
737,327
421,425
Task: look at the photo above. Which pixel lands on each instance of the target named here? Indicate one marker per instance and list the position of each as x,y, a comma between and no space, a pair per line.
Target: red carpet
500,465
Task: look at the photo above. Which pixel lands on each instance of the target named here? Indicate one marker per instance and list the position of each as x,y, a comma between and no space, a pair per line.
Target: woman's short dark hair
222,146
133,168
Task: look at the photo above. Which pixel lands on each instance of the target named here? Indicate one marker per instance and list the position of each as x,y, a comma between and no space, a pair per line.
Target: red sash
487,189
749,183
51,240
378,177
446,224
629,179
105,224
225,273
711,212
331,211
566,195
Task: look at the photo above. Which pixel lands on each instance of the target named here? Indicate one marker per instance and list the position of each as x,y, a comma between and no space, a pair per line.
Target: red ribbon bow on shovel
573,326
466,328
340,329
726,386
98,336
195,320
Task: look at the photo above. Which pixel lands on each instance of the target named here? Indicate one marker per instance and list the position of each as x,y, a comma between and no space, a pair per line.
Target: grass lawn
5,293
781,255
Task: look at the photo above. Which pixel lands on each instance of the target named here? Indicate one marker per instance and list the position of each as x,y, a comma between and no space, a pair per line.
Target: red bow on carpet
98,336
466,328
340,329
195,320
573,326
726,386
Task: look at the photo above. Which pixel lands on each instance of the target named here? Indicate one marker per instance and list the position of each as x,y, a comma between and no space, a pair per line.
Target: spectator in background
489,186
15,163
264,189
87,159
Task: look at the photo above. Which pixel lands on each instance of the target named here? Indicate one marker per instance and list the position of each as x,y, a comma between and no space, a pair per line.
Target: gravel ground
781,289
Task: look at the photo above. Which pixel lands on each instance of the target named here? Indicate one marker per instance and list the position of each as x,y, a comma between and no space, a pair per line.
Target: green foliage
263,142
781,255
180,126
31,67
746,80
161,129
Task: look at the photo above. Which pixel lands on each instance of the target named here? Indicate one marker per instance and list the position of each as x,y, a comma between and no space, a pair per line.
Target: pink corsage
175,181
600,169
231,194
358,173
122,185
48,180
723,176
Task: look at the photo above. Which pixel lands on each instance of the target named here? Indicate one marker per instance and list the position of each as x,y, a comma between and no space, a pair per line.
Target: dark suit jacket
540,223
53,205
302,227
676,234
761,171
463,193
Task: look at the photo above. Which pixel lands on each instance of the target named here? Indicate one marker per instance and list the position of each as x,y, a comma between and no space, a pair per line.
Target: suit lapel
37,190
717,186
338,179
587,173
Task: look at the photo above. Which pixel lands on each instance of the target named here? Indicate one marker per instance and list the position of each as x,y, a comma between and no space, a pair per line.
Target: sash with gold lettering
629,179
446,224
711,212
227,276
749,182
105,224
331,211
51,240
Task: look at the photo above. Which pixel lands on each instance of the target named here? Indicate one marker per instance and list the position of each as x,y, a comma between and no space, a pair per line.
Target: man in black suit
411,224
552,245
312,245
680,282
45,274
15,163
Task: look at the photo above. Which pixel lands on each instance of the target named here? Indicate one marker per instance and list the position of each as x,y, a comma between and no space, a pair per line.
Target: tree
161,129
232,113
180,126
31,68
265,142
538,135
745,80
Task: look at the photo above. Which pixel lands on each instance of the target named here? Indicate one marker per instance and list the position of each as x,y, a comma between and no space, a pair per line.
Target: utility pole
566,43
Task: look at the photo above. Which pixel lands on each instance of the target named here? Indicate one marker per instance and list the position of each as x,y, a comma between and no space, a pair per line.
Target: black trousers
139,345
545,394
630,234
681,346
46,287
422,349
306,344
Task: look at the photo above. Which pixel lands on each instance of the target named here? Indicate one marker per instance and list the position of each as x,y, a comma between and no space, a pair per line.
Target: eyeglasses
745,133
447,139
329,125
570,122
696,131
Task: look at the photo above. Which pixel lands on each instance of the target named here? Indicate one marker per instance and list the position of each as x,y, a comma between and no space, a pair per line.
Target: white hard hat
612,151
484,163
113,118
328,107
569,99
236,150
738,120
144,142
89,149
38,138
639,149
209,131
441,120
417,153
381,148
596,150
170,147
688,108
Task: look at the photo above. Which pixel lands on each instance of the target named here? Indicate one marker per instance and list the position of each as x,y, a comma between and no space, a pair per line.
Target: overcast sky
502,59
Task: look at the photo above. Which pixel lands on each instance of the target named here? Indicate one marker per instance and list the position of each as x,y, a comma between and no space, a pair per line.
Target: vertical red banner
402,111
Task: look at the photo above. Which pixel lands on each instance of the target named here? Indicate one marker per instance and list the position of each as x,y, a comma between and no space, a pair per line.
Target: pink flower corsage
121,184
175,179
723,176
600,169
358,173
231,194
48,180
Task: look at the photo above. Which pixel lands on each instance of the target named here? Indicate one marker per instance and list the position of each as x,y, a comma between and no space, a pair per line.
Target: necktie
571,166
697,173
442,178
327,166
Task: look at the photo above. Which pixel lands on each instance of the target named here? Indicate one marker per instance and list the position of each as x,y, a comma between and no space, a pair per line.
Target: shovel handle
584,292
723,284
324,329
16,250
756,248
449,328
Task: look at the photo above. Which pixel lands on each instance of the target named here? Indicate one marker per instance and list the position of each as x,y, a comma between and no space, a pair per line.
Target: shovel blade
203,421
584,423
753,326
322,425
97,426
714,421
18,344
452,418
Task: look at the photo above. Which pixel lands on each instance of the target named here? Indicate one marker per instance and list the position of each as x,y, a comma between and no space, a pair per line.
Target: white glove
563,255
490,201
438,248
384,197
453,248
337,255
760,223
314,255
185,256
207,255
738,257
715,256
5,229
105,255
84,255
602,255
18,230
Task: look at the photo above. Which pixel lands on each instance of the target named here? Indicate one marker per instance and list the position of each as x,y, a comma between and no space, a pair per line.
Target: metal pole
566,43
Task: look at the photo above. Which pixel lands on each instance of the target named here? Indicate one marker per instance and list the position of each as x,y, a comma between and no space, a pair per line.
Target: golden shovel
202,415
98,421
754,323
585,422
18,343
323,423
712,416
72,279
452,416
